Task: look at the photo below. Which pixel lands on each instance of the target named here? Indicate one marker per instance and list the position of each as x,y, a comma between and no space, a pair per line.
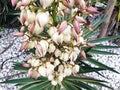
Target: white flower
36,63
49,68
50,77
54,82
42,71
57,53
51,48
57,62
37,29
46,3
41,48
73,56
76,68
60,78
64,56
52,30
67,71
57,38
60,69
31,16
43,18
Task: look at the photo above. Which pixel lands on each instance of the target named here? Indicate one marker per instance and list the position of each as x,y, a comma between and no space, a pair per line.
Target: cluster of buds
54,29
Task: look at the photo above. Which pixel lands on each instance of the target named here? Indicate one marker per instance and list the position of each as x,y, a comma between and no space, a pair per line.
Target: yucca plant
58,36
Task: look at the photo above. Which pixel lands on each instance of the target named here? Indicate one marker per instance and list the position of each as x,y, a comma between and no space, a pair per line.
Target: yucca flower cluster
54,29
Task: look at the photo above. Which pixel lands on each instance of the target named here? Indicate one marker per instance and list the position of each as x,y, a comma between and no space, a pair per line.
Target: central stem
54,9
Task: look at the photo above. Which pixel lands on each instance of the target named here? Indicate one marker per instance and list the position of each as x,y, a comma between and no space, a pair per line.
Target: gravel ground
9,47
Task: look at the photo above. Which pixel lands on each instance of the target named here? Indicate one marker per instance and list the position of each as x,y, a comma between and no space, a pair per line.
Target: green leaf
92,51
93,61
84,69
72,86
58,87
104,39
39,86
105,47
72,78
23,80
80,85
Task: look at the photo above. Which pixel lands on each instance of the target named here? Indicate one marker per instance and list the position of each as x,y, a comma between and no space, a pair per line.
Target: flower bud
80,19
19,34
91,10
51,48
23,46
62,27
25,2
82,52
76,26
68,3
23,16
14,2
26,65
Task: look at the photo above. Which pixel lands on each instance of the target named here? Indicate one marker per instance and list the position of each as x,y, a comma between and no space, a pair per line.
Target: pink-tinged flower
26,65
73,56
68,3
82,52
32,26
76,26
14,2
22,29
81,4
75,35
62,27
57,53
51,48
23,46
30,72
19,4
91,10
80,19
19,34
58,39
67,11
46,3
37,29
23,16
25,2
91,44
76,69
43,18
42,48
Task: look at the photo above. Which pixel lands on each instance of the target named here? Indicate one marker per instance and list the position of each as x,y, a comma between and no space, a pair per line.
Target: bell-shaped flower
23,45
19,34
51,48
80,19
67,71
57,53
61,69
50,68
35,28
62,27
91,10
46,3
76,26
56,62
54,82
58,39
76,69
23,16
42,48
69,3
25,2
14,2
52,30
31,16
43,18
42,71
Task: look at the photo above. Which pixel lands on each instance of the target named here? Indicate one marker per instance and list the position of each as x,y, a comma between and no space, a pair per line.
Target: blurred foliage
8,15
